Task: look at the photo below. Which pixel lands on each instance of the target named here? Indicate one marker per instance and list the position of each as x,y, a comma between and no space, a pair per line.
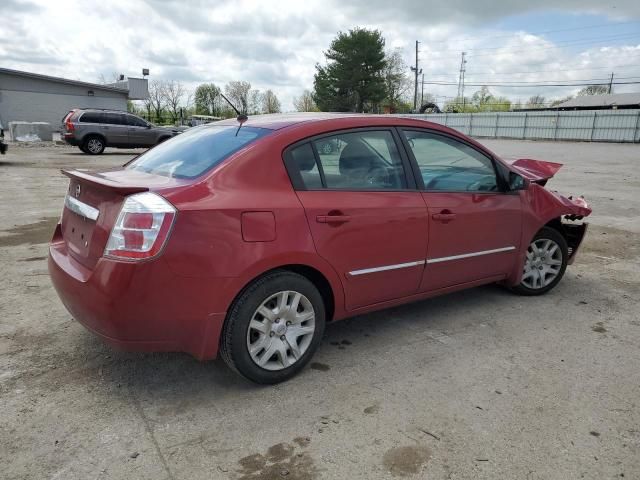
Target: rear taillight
67,121
142,227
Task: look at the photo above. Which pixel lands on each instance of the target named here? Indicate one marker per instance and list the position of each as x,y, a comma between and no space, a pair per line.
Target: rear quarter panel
207,241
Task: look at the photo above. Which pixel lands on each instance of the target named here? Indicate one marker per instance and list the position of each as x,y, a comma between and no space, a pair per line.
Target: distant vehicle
245,238
3,146
92,130
196,120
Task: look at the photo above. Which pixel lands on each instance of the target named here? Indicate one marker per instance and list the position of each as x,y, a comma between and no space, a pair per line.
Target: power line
615,67
580,43
615,36
601,25
530,85
603,80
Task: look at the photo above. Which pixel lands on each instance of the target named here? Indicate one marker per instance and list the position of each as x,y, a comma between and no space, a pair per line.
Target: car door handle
444,216
333,218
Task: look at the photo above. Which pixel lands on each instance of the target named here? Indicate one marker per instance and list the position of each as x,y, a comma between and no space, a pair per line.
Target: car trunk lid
92,205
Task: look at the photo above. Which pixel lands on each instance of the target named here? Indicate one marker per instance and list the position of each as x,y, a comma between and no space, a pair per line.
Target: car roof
277,121
318,122
104,110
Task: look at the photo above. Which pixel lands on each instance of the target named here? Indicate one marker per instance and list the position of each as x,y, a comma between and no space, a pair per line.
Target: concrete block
44,131
30,131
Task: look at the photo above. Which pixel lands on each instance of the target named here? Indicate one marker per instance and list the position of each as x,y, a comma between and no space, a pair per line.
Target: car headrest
355,158
303,159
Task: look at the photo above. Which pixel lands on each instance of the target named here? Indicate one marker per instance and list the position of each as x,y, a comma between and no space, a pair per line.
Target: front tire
545,263
273,328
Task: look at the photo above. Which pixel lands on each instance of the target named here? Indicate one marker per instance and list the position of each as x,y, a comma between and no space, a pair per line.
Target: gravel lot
480,384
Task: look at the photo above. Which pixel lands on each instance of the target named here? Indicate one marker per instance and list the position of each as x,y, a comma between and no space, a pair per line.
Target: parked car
3,146
245,239
92,130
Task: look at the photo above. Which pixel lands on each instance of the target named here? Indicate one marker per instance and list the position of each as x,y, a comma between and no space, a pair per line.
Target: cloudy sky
276,44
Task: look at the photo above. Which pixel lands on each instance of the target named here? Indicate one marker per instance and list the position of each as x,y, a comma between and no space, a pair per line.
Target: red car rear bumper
139,306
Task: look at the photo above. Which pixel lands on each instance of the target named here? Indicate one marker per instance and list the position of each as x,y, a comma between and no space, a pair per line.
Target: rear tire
545,263
273,328
93,145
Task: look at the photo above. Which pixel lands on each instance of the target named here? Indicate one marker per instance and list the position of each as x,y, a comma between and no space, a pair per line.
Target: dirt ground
480,384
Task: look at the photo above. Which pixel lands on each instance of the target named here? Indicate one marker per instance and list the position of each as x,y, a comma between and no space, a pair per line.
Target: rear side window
92,117
197,150
364,160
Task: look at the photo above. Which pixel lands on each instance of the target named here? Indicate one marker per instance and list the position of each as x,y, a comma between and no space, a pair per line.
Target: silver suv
92,130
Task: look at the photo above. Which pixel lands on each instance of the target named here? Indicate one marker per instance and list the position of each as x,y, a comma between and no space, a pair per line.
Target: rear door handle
445,216
333,218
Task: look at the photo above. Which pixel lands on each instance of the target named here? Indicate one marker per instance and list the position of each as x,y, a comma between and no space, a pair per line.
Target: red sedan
246,238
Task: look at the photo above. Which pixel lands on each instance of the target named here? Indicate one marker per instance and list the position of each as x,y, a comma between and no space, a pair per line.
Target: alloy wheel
94,145
543,263
281,330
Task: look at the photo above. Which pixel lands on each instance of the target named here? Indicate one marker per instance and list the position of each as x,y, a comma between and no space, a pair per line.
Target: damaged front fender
542,207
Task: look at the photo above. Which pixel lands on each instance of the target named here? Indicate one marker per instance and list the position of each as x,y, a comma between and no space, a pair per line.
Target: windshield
197,150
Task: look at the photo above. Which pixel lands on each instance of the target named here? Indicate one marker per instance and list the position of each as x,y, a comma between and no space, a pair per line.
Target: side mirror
516,182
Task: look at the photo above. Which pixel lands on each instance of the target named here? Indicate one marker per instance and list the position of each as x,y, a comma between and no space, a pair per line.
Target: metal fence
585,125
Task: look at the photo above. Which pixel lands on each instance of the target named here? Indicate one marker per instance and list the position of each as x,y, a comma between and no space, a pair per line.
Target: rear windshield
195,151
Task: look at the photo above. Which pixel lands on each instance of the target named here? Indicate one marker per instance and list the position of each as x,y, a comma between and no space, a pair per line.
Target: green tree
501,104
482,99
207,99
594,90
459,105
353,79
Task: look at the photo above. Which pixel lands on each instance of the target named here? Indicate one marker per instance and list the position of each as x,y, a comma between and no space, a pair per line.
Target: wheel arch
314,275
573,233
94,134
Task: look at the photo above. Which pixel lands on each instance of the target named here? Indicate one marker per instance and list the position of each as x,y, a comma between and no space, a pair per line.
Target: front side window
449,165
367,160
192,153
135,121
115,119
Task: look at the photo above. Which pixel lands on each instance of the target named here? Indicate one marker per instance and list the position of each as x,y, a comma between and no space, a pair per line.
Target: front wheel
545,263
273,328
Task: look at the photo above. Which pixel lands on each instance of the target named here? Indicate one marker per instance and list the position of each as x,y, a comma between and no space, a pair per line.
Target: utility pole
417,72
463,68
611,83
422,91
